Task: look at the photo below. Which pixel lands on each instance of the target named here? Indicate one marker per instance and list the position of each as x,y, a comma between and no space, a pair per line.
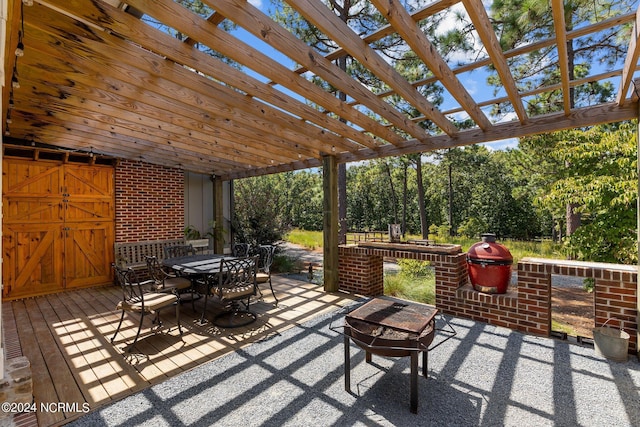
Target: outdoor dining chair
163,281
139,298
236,286
240,249
265,253
176,251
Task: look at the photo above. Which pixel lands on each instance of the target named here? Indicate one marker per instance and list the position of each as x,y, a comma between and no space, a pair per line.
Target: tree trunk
573,219
392,190
404,200
450,199
342,203
424,227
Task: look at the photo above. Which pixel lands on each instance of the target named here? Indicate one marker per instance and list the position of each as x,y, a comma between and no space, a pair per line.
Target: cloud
502,144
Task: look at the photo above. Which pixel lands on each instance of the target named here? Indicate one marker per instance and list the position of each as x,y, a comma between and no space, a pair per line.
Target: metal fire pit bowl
387,341
391,328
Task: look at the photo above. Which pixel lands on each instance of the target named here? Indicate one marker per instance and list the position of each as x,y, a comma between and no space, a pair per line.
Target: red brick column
534,298
615,299
451,274
359,271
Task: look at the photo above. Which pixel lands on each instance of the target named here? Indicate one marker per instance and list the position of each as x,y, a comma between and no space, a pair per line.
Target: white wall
198,201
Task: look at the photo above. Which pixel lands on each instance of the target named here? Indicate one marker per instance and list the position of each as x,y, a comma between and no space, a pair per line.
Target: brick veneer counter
524,307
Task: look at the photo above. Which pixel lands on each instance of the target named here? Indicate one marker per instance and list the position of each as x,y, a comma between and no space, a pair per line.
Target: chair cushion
152,301
262,277
175,283
237,292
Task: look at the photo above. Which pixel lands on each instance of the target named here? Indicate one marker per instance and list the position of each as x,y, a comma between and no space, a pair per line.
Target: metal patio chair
177,251
265,253
138,297
240,249
164,281
236,286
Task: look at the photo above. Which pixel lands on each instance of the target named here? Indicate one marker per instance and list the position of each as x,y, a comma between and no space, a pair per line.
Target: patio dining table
204,269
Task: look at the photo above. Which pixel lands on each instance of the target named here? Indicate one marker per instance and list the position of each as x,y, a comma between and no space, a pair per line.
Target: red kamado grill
489,264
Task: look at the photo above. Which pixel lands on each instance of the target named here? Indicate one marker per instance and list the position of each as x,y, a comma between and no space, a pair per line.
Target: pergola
100,77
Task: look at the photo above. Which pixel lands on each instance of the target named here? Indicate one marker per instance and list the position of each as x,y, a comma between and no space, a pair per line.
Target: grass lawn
416,281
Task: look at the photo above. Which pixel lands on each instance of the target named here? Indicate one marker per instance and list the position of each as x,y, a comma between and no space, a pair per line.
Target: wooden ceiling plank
482,24
82,138
215,18
104,119
257,23
154,40
88,88
557,7
67,120
251,58
630,62
127,109
180,78
194,142
330,24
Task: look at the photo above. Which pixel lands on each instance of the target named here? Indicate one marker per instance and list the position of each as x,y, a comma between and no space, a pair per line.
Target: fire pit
391,328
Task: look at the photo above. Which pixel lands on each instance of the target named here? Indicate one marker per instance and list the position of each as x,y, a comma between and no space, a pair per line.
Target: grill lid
489,252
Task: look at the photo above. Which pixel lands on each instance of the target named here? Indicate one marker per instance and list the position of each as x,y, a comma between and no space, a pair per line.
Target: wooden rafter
480,19
630,62
261,26
561,43
421,46
522,50
209,34
425,12
331,25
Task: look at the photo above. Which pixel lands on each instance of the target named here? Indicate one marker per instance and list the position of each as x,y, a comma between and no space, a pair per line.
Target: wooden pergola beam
257,23
407,28
630,62
563,60
357,48
480,19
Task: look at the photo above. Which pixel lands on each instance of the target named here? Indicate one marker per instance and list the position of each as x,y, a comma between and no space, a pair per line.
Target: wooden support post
636,84
218,214
330,223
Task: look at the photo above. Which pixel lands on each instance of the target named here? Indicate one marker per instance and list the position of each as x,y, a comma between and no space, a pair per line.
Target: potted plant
193,237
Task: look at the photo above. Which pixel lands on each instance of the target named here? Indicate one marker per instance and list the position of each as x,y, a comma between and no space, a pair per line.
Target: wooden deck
66,337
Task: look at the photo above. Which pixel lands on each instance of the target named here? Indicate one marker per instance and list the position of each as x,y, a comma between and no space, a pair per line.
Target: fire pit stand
391,328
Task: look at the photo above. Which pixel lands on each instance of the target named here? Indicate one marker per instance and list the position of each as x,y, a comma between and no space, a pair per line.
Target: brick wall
525,307
149,202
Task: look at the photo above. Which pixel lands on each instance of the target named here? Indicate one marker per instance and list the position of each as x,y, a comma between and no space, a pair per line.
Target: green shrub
414,269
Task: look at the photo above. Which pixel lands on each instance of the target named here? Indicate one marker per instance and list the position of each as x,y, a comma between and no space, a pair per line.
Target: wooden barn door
58,226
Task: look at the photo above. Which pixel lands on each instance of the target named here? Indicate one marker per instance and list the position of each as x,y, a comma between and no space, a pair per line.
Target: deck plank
90,352
61,375
67,339
43,387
